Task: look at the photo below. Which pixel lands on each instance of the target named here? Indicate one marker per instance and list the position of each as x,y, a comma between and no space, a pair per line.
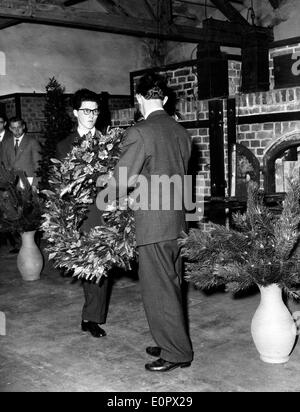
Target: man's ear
75,112
139,98
165,100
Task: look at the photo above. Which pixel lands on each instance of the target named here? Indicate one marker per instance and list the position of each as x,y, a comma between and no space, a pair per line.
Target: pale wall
77,58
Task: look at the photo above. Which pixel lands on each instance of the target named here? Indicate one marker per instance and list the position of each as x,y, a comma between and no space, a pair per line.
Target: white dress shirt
82,132
2,135
19,139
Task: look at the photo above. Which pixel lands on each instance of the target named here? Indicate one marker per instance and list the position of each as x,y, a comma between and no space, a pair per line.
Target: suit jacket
27,158
156,146
7,134
65,145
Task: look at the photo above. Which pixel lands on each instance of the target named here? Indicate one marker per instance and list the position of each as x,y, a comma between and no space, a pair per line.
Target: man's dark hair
16,119
152,86
84,95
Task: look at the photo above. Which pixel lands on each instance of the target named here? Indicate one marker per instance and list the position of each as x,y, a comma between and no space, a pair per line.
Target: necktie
16,146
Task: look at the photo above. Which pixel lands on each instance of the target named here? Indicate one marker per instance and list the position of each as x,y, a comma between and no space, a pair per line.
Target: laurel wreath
92,254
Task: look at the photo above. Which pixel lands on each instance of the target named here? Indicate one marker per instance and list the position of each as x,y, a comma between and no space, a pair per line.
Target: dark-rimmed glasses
87,112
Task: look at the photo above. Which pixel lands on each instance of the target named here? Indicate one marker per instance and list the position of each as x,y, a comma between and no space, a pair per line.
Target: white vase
273,328
30,259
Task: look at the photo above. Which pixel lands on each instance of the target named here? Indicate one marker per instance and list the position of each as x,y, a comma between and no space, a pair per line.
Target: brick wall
183,79
119,102
10,106
32,111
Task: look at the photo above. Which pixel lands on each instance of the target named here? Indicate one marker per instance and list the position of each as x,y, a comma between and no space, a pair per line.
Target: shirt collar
81,132
19,138
162,110
2,135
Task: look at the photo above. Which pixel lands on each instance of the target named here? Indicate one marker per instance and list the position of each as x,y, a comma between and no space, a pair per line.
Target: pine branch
261,249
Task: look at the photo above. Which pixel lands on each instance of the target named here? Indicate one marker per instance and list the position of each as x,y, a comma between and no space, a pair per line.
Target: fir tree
260,249
58,125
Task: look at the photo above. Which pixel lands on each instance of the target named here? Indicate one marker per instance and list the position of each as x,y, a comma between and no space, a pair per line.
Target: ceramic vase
273,328
30,259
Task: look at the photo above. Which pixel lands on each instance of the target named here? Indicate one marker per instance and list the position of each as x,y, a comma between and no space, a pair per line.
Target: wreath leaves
92,254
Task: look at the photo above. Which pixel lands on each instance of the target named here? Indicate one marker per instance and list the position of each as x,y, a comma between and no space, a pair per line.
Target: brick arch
277,147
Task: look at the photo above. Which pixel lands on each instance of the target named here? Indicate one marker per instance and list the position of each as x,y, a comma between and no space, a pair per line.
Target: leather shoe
160,365
93,328
153,351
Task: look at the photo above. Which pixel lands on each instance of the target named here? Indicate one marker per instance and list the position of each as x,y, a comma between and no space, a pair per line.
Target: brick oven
240,136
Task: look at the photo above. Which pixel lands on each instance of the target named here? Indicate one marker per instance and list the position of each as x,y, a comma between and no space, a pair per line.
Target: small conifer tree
57,126
262,248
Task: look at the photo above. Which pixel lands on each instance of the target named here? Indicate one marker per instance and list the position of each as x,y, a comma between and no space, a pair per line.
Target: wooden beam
232,33
68,3
4,23
150,10
275,3
165,12
56,15
111,7
127,11
230,12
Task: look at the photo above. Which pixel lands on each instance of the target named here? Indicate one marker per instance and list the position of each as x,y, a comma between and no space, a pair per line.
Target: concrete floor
45,351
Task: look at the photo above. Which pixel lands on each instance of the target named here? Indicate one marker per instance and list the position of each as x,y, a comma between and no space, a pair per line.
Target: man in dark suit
4,135
86,111
21,151
157,147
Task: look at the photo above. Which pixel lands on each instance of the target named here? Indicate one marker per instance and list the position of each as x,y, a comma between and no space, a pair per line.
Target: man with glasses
86,111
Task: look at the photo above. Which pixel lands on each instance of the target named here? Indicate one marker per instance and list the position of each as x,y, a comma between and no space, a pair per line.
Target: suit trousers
160,274
96,300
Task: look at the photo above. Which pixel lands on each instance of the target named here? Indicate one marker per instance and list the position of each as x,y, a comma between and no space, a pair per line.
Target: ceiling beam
87,20
214,29
150,10
275,3
68,3
124,8
4,23
230,12
165,12
111,7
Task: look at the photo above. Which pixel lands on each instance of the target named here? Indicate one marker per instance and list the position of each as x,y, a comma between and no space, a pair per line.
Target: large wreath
90,254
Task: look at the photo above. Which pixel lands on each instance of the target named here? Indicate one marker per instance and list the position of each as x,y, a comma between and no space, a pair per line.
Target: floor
44,349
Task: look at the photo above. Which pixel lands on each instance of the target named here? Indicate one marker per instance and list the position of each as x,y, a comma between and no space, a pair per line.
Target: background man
4,135
21,151
86,111
158,146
